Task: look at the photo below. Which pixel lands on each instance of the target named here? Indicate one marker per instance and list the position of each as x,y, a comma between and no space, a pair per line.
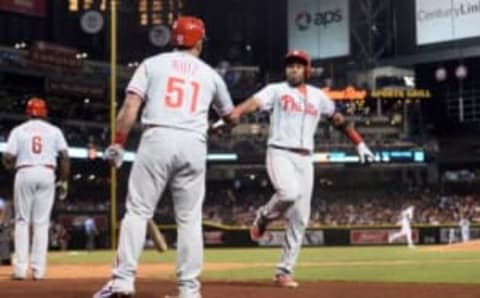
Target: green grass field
376,264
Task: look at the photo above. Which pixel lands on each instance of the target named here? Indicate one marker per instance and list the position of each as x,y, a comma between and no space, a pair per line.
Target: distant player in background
452,238
295,109
464,225
32,150
177,89
90,232
406,218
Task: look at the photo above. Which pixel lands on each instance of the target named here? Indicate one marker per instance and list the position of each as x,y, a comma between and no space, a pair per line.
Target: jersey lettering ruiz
36,142
178,90
294,114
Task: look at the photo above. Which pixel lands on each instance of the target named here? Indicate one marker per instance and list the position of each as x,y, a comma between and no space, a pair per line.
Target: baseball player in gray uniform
177,89
32,150
295,110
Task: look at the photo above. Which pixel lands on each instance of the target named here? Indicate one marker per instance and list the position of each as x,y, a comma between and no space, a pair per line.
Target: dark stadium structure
424,133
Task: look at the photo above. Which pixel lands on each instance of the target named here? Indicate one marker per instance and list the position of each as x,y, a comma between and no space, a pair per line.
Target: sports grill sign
446,20
319,27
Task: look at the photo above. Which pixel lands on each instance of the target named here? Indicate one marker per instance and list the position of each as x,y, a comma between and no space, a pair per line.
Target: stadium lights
461,72
81,56
82,153
133,64
20,45
441,74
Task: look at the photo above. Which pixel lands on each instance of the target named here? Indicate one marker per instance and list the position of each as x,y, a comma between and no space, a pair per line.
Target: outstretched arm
339,122
247,107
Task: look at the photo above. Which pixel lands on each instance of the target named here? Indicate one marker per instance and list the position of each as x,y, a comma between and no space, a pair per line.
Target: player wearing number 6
176,90
32,150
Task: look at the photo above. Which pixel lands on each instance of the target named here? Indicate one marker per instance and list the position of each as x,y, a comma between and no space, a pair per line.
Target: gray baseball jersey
178,90
294,114
35,144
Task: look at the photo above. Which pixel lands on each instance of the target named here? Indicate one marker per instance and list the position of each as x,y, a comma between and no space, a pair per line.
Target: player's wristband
120,138
354,136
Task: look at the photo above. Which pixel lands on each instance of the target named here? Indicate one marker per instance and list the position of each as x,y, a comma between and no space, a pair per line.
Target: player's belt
147,126
294,150
51,167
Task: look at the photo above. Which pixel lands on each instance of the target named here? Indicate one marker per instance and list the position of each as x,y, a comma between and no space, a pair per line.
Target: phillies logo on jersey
288,104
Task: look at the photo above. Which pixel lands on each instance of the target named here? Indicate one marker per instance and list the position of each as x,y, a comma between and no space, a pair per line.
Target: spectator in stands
5,231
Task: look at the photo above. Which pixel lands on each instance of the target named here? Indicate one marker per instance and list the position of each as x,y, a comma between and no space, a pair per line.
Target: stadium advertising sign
27,7
401,94
276,238
387,156
351,93
446,20
75,87
213,237
377,236
319,27
53,57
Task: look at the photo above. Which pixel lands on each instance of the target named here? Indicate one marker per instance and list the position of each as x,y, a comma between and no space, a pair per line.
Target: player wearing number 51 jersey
177,90
32,150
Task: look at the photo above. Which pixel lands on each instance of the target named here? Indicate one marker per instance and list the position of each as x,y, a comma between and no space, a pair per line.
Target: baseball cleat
285,281
17,277
107,292
36,276
177,296
258,228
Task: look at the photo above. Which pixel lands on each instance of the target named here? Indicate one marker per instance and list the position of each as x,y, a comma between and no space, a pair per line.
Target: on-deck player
177,89
406,218
295,110
32,149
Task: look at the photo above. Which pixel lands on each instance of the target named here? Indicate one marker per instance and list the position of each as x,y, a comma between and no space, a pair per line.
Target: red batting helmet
187,31
36,107
301,56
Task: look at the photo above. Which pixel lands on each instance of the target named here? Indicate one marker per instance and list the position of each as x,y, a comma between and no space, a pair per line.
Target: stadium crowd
347,209
230,206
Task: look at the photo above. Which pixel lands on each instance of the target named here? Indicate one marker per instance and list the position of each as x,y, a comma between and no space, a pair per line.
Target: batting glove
62,189
364,153
114,154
